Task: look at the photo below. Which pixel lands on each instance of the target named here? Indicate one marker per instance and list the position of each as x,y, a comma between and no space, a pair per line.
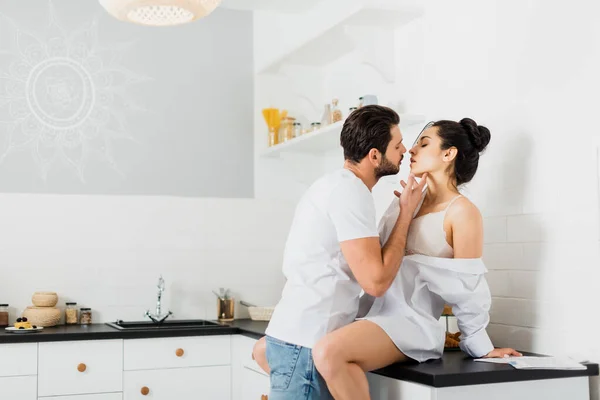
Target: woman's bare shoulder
464,210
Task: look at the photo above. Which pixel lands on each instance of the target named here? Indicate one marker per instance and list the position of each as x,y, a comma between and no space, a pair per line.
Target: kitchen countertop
453,369
102,331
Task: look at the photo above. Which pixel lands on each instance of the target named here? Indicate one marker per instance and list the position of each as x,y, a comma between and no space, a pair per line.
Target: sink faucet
159,317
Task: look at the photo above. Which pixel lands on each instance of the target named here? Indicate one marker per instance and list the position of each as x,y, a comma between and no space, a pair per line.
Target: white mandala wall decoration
63,97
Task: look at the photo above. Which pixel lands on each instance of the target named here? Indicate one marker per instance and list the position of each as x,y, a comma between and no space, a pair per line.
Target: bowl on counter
42,316
44,299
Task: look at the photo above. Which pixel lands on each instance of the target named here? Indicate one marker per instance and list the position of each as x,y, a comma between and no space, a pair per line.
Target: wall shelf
325,139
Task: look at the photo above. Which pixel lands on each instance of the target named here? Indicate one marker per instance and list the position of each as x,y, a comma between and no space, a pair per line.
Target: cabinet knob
264,397
81,367
179,352
145,391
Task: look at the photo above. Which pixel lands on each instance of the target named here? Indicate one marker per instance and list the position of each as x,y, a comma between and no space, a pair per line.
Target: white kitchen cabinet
249,381
177,352
201,383
80,367
104,396
18,359
254,385
18,387
383,388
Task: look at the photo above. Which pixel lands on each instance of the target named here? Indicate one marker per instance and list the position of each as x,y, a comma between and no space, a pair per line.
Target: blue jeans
293,373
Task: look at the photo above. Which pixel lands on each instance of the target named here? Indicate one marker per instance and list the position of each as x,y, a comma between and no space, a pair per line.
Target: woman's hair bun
479,135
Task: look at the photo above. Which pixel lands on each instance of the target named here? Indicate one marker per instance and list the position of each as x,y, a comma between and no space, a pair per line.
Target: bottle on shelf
336,113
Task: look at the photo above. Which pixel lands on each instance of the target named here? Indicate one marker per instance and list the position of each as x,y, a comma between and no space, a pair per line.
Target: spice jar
352,109
297,129
71,314
85,316
273,136
287,129
3,315
315,126
336,113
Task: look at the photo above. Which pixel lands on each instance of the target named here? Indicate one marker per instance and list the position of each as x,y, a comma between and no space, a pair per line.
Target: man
333,251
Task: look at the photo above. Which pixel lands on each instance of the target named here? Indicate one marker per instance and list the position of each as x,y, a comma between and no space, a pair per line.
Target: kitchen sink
168,324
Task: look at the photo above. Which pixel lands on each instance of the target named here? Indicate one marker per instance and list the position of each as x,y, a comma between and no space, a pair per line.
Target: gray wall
93,105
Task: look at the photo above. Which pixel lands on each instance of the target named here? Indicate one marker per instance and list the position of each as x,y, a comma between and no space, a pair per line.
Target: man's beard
386,168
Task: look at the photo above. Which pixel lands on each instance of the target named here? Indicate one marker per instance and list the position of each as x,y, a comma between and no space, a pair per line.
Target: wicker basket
44,299
260,313
42,316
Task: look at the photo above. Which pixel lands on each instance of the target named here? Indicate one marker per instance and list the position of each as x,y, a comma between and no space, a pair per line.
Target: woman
444,247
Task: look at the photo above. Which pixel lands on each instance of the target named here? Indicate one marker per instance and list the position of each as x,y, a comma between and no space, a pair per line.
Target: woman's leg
344,356
259,354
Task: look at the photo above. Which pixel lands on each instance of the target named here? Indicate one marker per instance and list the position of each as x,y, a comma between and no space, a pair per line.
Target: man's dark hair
367,128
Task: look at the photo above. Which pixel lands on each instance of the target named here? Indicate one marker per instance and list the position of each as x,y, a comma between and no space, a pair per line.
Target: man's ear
374,156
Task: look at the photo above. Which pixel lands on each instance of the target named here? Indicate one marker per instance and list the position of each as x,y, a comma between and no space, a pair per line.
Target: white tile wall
525,228
495,230
512,311
503,256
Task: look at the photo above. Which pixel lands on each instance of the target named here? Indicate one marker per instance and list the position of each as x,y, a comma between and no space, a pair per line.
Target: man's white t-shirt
321,293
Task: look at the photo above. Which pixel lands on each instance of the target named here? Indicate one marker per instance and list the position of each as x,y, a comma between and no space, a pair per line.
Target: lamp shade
159,12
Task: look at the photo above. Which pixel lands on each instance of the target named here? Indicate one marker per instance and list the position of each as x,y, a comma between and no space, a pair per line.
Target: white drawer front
198,351
245,346
18,359
210,383
59,363
18,388
254,385
105,396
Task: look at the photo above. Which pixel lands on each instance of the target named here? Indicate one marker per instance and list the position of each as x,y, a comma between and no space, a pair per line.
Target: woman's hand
501,353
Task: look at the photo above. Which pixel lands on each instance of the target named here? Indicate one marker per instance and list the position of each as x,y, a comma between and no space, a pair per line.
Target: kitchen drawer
18,388
105,396
210,383
254,385
245,346
197,351
80,367
18,359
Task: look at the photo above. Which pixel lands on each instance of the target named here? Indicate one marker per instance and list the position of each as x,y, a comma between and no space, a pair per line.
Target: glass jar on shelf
85,316
336,113
286,131
297,129
4,315
352,109
315,126
273,136
71,314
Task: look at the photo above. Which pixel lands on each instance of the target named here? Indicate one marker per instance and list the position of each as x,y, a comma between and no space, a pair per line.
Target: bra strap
452,201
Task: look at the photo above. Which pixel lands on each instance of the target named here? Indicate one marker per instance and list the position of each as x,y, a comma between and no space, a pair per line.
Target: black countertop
102,331
457,369
453,369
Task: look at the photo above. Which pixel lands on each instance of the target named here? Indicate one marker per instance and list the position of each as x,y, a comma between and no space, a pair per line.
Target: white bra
426,234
